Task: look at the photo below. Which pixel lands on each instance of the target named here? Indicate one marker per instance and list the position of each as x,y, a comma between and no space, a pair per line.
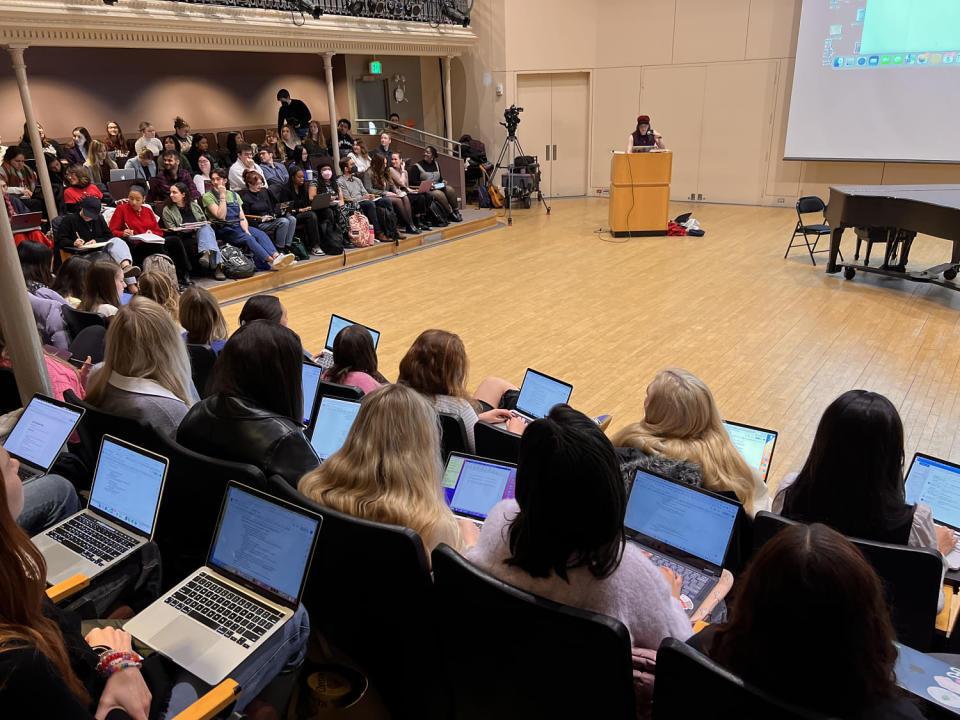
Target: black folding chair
496,443
805,206
77,320
202,358
453,435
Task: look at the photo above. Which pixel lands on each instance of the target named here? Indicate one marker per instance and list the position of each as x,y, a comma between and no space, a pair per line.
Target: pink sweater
360,379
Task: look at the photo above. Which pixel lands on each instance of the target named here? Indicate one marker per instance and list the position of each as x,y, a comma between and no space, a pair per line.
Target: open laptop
643,148
25,222
473,485
321,201
250,586
935,684
755,444
311,384
685,528
332,420
936,483
120,516
539,393
118,174
338,323
36,440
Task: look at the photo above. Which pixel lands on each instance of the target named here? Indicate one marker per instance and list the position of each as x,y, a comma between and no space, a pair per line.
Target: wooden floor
776,340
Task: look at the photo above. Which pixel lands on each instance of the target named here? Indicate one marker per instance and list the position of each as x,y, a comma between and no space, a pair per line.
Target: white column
447,102
20,70
16,319
332,102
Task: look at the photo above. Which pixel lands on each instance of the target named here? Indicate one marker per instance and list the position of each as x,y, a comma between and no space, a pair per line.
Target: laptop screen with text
935,483
41,431
311,379
754,444
338,323
472,486
695,522
539,393
127,485
334,419
266,544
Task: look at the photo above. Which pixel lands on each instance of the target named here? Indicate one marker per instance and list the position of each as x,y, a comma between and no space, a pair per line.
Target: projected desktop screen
876,80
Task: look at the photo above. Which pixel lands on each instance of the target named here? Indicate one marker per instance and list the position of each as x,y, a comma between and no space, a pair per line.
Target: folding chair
805,206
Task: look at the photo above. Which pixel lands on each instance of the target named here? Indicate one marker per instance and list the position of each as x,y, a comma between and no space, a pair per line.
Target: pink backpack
360,234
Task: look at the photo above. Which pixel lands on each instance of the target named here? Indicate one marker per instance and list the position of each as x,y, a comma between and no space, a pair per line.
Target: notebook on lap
40,433
250,586
539,393
473,485
755,444
119,518
936,483
338,323
332,421
684,528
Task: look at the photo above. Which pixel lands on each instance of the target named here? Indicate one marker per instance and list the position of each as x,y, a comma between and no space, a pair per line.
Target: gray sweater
147,403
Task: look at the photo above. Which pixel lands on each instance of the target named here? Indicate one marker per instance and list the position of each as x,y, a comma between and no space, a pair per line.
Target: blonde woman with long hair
389,470
682,421
146,371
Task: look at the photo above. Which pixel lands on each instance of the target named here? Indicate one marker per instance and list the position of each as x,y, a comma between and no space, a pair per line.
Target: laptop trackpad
178,637
186,642
59,559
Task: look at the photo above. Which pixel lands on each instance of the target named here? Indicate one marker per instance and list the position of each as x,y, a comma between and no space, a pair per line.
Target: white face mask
326,174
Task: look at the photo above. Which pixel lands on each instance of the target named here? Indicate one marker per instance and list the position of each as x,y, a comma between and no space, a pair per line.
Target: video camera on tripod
512,117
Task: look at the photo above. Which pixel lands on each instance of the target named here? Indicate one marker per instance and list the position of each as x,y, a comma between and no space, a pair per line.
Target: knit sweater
636,593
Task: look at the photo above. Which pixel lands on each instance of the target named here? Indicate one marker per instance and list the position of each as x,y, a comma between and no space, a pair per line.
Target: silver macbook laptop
936,483
473,485
40,433
118,174
338,323
251,585
328,430
119,518
685,528
539,393
755,444
311,384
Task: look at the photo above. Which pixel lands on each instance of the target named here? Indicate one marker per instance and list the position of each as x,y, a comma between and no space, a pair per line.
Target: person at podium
644,136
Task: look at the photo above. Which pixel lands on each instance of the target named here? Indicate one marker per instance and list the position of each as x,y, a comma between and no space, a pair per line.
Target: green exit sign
376,67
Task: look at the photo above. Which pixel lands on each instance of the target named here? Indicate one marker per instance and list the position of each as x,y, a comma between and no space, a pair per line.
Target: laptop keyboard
97,542
325,360
693,581
26,473
223,609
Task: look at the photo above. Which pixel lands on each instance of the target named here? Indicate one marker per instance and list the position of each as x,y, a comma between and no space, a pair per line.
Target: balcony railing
434,12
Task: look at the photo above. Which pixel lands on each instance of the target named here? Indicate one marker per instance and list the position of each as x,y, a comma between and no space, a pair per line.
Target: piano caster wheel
849,272
950,274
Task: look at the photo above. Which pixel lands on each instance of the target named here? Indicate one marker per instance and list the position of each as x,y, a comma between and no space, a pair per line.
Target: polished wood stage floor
776,340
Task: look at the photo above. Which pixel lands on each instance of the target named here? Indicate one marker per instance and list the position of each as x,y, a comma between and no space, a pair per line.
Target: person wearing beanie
87,226
644,136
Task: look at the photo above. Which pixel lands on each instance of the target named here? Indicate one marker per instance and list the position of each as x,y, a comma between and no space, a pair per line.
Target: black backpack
236,265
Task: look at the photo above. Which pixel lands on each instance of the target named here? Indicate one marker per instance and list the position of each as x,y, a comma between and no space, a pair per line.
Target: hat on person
643,120
90,206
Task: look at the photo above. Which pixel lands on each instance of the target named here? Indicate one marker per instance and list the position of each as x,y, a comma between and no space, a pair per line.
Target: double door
554,127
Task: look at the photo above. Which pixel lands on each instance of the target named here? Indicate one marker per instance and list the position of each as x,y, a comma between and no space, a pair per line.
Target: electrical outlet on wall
780,201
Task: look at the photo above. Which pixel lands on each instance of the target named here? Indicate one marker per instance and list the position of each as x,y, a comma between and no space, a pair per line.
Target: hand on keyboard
674,580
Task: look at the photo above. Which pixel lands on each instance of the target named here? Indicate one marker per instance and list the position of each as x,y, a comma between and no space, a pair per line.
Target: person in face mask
319,227
81,147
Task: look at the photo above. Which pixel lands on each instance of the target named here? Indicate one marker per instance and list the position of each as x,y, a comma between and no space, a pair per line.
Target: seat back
202,358
77,320
9,393
690,685
493,442
512,654
91,342
256,136
190,506
453,435
910,577
370,594
810,204
336,390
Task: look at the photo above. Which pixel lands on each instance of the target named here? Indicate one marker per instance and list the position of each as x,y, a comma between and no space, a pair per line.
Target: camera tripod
514,151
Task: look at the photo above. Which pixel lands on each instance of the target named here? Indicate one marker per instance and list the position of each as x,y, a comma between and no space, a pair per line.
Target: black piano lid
947,196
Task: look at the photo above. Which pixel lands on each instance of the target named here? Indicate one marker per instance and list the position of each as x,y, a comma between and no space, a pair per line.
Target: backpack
360,230
436,215
236,265
483,196
161,263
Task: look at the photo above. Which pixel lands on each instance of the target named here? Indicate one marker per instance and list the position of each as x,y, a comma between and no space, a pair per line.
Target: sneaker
282,261
204,259
603,421
131,271
317,251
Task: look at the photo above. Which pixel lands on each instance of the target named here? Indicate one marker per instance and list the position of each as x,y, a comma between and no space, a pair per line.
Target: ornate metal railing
435,12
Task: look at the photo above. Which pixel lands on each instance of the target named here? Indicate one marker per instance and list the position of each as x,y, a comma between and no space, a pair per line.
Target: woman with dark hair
199,147
51,148
852,479
810,626
336,217
355,360
263,307
76,154
644,136
255,413
35,263
259,207
429,169
71,279
180,211
16,206
300,158
233,140
20,178
378,182
567,469
315,142
300,193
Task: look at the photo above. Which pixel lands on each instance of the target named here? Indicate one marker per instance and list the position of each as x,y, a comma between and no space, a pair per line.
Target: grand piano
894,214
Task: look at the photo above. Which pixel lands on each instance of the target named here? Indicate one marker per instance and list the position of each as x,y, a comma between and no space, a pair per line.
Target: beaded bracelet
114,662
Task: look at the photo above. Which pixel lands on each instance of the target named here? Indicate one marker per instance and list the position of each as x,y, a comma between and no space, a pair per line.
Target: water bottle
373,238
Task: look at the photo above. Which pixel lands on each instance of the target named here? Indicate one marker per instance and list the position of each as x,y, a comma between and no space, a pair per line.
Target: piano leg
835,236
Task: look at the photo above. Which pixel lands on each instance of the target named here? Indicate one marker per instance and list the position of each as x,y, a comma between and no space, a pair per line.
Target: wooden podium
640,193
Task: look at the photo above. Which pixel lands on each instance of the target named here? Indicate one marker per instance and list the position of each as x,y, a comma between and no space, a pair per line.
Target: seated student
134,218
35,261
171,174
143,166
299,158
146,372
388,470
255,413
199,147
360,156
201,319
384,147
810,626
263,307
116,144
63,375
87,226
181,209
378,182
157,286
418,201
271,143
172,142
78,187
429,169
394,123
55,169
563,536
51,148
288,143
344,139
356,194
204,168
20,178
275,173
99,164
241,165
231,153
336,216
225,206
103,288
260,210
315,142
318,238
71,279
77,153
148,139
682,421
436,366
355,360
15,206
181,130
852,480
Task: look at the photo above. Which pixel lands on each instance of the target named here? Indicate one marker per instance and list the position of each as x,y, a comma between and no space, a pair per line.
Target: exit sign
376,67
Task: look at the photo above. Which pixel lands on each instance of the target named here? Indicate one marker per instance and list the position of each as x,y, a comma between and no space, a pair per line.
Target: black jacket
296,115
230,428
72,225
